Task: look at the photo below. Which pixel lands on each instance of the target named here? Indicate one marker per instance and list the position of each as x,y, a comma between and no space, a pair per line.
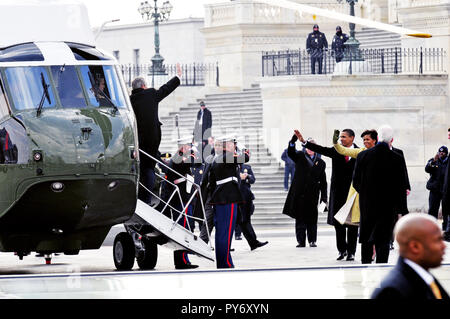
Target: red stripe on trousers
184,225
229,235
6,141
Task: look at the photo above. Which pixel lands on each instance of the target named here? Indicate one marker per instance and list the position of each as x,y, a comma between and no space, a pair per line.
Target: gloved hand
336,136
293,139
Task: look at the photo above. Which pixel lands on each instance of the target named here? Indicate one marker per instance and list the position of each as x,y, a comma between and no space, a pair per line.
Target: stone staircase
240,113
371,38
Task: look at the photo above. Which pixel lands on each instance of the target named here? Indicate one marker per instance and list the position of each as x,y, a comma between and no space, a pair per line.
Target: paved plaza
278,270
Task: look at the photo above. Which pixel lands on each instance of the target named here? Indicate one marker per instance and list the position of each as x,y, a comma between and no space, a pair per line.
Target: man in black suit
379,178
145,102
421,248
202,129
341,178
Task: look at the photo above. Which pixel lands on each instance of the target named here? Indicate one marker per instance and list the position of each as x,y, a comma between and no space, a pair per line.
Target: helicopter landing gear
123,251
147,256
129,246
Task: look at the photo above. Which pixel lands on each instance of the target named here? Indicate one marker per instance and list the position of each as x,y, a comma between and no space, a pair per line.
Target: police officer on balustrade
316,43
338,47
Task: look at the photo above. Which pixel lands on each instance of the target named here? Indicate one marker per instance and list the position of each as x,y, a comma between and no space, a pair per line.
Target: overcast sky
127,10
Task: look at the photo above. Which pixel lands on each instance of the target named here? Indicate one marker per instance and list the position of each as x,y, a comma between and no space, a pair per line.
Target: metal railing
376,61
181,213
195,74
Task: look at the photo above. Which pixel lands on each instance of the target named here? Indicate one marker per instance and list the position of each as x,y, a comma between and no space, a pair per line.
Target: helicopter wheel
123,251
148,257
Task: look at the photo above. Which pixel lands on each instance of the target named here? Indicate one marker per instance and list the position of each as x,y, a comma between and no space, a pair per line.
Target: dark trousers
180,257
434,201
319,60
346,238
244,223
288,170
381,249
303,229
207,227
224,221
147,178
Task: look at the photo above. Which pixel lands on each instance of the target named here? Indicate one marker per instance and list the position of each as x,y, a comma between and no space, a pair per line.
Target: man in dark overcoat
145,102
202,129
303,196
341,178
379,178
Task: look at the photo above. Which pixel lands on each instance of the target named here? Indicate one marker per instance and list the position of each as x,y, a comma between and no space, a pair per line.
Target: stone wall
417,107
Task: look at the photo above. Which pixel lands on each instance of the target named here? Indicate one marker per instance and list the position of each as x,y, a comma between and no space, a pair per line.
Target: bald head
420,240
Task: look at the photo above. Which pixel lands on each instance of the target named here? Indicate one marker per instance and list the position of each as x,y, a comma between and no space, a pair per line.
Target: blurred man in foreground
421,247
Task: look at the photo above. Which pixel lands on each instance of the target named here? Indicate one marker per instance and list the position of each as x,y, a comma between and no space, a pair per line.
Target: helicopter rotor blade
302,8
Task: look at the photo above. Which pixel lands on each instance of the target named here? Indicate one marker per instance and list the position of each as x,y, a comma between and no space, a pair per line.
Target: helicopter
69,152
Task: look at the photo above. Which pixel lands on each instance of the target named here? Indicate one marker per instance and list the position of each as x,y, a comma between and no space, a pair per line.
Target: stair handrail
177,191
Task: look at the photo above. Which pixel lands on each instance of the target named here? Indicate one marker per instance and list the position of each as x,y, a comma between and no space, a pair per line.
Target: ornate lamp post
157,14
352,53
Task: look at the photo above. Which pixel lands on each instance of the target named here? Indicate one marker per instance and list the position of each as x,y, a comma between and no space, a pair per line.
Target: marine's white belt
227,180
180,180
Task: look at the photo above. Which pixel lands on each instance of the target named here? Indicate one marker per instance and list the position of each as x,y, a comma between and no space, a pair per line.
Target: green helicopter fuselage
69,166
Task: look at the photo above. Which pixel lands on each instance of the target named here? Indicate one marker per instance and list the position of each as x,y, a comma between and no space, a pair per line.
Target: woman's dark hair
373,134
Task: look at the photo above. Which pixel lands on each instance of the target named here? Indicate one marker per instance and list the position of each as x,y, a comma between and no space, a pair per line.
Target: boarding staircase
240,113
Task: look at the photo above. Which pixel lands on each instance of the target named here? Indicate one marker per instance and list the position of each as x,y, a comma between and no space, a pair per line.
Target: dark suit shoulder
403,282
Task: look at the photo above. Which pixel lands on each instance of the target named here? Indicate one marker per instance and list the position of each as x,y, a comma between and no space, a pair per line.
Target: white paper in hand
322,207
342,214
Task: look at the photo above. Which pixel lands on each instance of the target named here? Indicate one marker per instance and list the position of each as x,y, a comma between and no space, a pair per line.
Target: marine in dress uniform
316,43
223,181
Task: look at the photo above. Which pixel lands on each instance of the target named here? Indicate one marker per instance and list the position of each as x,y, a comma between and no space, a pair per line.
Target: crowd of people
218,165
367,194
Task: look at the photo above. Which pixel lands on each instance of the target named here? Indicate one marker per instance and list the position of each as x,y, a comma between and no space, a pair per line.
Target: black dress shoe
341,256
350,257
300,245
186,266
259,244
312,244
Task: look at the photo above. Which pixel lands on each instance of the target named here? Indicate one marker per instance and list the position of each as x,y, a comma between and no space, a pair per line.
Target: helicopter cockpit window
29,87
102,86
68,86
